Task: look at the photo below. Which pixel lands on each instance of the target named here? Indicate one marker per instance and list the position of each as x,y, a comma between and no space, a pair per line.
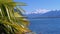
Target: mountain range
49,14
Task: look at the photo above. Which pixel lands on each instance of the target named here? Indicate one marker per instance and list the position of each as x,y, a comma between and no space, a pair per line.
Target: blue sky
40,4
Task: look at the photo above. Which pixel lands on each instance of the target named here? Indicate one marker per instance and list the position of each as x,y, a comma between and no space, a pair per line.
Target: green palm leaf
11,21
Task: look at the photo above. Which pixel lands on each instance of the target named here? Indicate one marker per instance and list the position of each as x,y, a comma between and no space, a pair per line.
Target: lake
45,25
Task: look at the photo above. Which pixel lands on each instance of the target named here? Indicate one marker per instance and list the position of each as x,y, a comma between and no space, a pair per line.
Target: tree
11,18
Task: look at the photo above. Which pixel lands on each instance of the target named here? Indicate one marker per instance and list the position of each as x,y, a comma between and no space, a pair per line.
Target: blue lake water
45,25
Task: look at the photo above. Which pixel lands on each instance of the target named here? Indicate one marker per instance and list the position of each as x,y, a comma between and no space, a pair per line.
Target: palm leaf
12,22
21,19
14,3
6,1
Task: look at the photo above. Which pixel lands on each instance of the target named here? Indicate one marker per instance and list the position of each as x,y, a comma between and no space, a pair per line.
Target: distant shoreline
42,17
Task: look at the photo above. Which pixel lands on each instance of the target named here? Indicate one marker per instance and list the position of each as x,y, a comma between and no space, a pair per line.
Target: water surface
45,25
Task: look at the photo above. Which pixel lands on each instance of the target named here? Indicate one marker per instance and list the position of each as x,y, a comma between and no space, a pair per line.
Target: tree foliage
11,19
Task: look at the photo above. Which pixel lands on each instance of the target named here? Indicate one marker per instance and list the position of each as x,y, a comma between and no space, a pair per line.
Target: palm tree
11,18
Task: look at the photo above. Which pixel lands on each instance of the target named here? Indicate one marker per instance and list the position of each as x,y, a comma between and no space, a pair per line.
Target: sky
32,5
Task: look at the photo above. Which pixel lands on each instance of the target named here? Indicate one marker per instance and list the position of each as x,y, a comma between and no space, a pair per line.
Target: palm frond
12,22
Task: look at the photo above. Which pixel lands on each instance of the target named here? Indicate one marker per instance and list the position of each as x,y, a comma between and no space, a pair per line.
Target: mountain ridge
51,14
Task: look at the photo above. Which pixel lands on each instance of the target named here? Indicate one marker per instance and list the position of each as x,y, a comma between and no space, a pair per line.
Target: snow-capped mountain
38,11
45,13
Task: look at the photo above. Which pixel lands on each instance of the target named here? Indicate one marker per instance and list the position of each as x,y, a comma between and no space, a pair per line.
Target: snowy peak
52,13
42,11
38,11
